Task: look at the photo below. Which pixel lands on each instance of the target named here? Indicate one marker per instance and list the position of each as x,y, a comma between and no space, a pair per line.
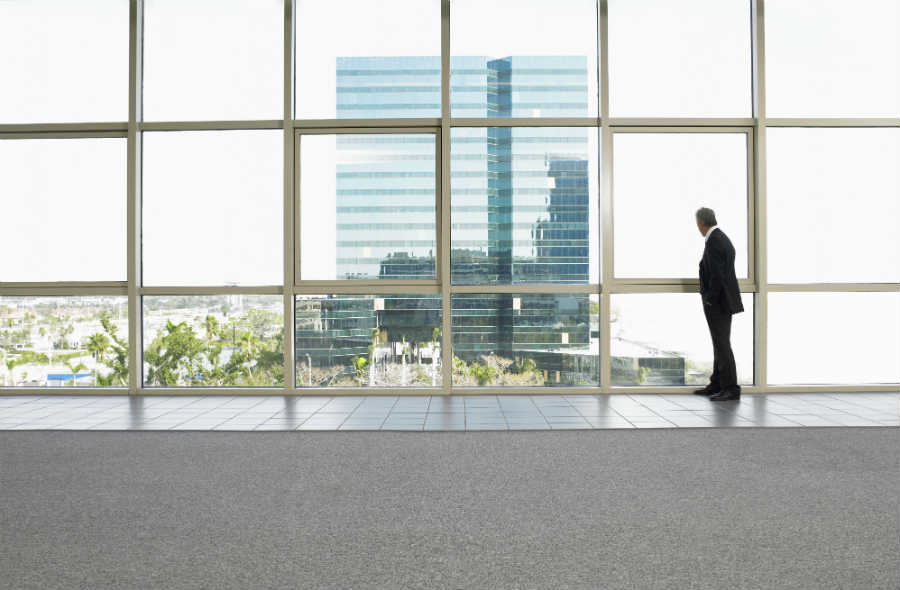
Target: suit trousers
724,375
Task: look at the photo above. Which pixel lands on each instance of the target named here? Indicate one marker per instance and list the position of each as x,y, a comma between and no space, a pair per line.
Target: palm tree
10,365
97,345
74,368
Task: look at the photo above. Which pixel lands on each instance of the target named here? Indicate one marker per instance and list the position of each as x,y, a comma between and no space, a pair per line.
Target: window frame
757,281
747,283
303,284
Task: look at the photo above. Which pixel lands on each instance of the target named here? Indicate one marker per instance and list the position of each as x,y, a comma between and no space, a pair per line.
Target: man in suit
721,298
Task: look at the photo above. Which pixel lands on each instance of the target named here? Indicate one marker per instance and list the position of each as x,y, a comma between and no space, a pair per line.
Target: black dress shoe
706,391
726,396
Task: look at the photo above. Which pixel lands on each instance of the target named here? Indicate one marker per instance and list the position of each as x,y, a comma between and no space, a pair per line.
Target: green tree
174,356
97,345
360,367
74,368
215,337
114,355
483,374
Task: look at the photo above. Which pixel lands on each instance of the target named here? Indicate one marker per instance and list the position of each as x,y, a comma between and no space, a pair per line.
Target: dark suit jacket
718,283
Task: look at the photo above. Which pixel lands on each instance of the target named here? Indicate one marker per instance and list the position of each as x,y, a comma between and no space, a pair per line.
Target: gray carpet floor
748,508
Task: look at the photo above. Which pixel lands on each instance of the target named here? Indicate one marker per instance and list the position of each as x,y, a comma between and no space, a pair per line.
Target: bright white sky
857,342
45,47
318,215
655,232
213,59
832,58
213,206
63,209
817,181
679,59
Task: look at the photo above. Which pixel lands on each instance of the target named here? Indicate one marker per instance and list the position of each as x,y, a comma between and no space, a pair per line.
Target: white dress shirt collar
709,232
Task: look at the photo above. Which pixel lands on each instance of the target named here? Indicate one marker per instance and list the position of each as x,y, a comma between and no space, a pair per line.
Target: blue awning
65,376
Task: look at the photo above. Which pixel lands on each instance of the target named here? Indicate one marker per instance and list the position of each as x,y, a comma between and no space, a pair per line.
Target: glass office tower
519,208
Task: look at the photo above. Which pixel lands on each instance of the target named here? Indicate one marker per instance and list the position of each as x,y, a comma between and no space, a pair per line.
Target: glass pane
524,205
363,59
817,181
63,61
832,58
659,182
368,340
526,339
679,59
367,206
833,338
523,58
214,341
663,339
212,208
213,60
64,341
63,205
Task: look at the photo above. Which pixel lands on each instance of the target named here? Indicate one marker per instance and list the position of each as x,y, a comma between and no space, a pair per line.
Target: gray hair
706,216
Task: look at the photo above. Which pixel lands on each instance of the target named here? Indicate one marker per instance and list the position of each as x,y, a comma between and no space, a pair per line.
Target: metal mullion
390,284
198,391
387,391
817,388
526,288
744,284
65,128
352,289
623,287
210,290
835,122
50,391
754,389
368,391
606,188
296,273
833,288
5,136
445,217
536,390
133,247
641,281
72,285
751,207
210,125
684,129
291,254
364,123
681,122
758,77
25,290
525,122
366,130
438,212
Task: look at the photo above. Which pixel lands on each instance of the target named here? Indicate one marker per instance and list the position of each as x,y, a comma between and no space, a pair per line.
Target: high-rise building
526,217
